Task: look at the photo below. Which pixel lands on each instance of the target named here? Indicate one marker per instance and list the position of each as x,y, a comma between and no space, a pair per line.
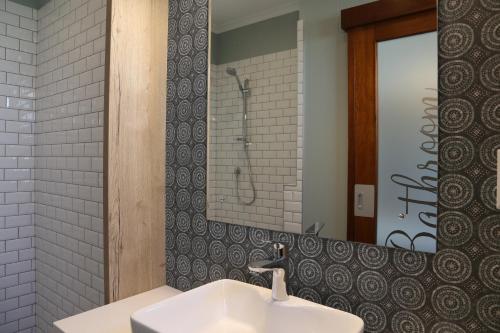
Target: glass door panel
407,142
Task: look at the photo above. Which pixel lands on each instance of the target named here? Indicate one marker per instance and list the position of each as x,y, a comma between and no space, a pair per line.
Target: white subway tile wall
292,215
17,254
272,132
68,159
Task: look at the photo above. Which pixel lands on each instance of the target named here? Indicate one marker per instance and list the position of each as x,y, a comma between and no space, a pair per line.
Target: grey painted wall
325,118
268,36
325,115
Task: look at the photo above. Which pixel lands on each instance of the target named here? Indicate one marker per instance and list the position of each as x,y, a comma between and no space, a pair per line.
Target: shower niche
255,118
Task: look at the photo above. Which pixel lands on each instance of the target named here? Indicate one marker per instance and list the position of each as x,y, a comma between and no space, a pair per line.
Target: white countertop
114,317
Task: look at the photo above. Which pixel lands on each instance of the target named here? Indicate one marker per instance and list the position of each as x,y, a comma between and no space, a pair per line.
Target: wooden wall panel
382,10
362,126
135,147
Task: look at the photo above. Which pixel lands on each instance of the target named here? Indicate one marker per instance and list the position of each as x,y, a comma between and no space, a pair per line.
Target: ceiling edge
36,4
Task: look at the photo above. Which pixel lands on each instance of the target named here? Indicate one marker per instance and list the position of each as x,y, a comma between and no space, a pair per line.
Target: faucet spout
262,266
279,292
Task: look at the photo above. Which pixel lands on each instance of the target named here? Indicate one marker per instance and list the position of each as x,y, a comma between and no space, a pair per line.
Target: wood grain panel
135,147
362,125
381,10
407,25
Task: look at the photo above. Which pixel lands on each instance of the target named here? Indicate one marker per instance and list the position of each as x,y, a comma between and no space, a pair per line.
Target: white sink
228,306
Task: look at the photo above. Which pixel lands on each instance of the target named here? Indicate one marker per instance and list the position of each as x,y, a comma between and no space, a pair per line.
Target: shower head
232,71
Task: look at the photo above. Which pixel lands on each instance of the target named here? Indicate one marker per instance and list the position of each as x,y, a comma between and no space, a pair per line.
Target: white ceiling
232,14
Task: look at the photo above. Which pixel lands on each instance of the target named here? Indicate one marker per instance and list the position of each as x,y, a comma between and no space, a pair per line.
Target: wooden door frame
366,25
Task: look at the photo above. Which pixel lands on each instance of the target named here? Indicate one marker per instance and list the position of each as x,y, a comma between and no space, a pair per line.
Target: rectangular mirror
289,147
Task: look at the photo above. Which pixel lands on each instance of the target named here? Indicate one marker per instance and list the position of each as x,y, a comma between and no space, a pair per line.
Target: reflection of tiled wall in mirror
292,216
274,115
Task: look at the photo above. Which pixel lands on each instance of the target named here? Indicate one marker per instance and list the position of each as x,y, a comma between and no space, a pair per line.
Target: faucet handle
280,251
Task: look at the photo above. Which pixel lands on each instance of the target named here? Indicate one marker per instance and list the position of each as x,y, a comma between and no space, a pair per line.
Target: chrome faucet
277,266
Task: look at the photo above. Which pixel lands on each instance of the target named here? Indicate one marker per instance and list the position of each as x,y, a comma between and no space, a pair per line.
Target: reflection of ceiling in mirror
232,14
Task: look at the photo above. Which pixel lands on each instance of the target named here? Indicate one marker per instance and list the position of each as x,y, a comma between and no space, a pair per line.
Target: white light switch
498,178
364,200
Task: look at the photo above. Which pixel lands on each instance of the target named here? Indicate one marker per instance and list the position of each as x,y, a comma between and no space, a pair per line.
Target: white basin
229,306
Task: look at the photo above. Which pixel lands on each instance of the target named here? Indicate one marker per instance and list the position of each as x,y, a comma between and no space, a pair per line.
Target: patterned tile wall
457,290
468,261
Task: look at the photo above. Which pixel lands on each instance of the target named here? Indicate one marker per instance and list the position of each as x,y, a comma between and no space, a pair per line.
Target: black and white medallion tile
457,290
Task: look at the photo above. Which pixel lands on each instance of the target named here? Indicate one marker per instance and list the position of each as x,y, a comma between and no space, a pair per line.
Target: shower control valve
245,141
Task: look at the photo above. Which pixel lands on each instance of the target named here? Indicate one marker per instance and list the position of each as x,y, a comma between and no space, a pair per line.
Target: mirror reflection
407,142
253,143
289,152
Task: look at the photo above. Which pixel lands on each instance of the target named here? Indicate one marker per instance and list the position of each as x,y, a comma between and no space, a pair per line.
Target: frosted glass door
407,142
